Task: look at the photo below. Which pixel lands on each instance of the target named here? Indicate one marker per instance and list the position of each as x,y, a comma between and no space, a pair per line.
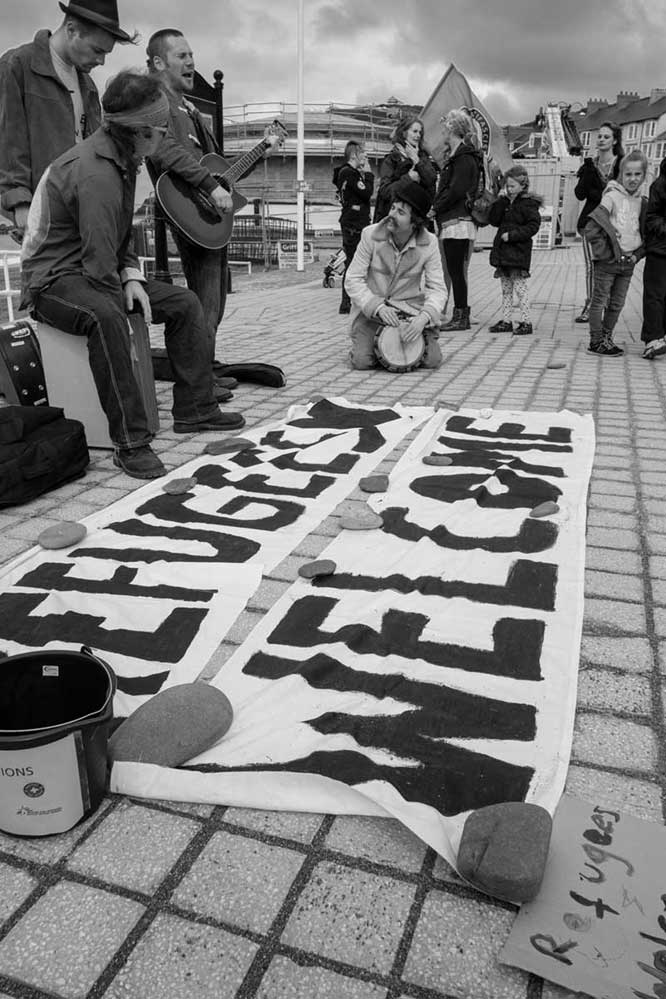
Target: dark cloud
517,54
526,51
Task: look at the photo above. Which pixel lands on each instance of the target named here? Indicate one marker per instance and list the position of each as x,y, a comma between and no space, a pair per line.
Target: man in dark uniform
355,182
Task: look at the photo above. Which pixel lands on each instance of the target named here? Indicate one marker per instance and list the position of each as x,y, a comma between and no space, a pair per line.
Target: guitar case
243,371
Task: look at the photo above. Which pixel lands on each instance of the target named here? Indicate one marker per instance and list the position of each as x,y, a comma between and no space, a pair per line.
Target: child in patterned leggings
516,215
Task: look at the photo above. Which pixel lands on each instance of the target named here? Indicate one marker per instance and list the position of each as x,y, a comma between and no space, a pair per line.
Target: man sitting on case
80,274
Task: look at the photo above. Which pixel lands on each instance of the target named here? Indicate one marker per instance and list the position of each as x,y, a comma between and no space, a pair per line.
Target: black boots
459,321
523,329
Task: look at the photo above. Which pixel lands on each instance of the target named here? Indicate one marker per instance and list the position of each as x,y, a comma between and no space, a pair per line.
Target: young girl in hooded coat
516,215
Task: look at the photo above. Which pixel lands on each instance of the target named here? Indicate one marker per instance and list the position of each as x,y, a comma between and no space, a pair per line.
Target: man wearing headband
48,100
80,274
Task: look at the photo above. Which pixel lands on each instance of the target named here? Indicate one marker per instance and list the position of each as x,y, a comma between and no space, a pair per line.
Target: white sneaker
655,348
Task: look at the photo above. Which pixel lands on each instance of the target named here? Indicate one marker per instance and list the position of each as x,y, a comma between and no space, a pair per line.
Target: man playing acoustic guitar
170,59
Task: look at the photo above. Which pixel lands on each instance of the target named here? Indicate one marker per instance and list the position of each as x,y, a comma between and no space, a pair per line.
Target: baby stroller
336,265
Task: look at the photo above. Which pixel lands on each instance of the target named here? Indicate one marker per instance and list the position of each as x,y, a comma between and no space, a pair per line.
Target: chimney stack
595,104
656,94
625,98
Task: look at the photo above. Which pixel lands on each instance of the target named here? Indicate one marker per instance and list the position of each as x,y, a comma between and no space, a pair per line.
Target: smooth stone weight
504,849
228,446
175,487
438,459
545,509
365,520
322,567
69,532
556,364
374,483
173,726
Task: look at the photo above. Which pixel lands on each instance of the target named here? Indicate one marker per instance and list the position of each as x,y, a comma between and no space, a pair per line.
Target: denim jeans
654,298
206,275
72,304
609,291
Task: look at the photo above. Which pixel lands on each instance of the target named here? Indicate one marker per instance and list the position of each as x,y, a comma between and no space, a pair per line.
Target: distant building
643,121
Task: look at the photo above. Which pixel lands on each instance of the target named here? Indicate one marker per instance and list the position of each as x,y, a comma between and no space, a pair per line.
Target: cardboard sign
598,924
288,252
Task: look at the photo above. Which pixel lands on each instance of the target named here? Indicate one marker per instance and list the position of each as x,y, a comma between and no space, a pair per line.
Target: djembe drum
396,355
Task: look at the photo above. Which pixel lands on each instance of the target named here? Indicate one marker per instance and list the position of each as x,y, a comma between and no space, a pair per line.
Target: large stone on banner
361,519
229,446
176,487
62,535
438,459
321,567
504,849
374,483
546,509
173,726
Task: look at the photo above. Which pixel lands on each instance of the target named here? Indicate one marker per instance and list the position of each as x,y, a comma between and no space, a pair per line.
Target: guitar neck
236,171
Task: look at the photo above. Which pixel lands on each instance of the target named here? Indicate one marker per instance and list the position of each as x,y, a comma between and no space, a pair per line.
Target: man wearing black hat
48,101
397,268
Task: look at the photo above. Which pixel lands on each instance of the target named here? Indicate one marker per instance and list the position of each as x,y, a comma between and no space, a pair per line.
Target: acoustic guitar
188,208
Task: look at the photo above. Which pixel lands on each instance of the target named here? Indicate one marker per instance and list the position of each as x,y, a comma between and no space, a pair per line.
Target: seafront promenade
155,899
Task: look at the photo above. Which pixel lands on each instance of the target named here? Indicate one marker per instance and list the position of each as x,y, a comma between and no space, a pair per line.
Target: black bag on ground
242,371
39,450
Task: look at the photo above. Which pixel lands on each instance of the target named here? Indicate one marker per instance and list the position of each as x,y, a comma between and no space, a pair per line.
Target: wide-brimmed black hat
411,192
101,13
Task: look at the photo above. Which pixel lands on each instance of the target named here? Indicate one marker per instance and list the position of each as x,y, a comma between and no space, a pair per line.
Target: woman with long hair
407,158
458,182
593,175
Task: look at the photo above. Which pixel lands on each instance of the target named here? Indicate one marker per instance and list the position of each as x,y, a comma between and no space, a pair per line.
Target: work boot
217,421
139,462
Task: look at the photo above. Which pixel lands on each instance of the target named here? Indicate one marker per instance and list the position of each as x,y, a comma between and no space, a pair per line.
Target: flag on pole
453,91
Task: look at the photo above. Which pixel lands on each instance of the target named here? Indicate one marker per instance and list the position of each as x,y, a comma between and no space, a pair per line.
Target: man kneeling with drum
396,287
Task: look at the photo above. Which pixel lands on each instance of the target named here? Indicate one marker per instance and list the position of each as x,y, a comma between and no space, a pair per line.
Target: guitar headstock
275,134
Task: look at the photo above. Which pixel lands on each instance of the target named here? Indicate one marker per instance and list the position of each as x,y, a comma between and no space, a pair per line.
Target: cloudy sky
517,54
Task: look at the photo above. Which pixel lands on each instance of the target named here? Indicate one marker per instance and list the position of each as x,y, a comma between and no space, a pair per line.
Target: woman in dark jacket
458,182
407,158
593,176
516,215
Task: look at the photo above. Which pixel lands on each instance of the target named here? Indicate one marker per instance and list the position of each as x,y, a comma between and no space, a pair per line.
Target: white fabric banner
435,671
159,579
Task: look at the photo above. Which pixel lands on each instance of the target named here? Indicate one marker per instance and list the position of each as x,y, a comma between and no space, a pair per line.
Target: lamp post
300,148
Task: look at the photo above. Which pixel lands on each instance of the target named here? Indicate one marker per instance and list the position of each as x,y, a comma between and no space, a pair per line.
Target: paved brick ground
161,899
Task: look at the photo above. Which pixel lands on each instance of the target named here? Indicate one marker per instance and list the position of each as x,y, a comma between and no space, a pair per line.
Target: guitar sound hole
206,212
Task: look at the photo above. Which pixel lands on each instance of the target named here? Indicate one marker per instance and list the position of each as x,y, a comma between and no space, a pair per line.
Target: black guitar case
256,372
